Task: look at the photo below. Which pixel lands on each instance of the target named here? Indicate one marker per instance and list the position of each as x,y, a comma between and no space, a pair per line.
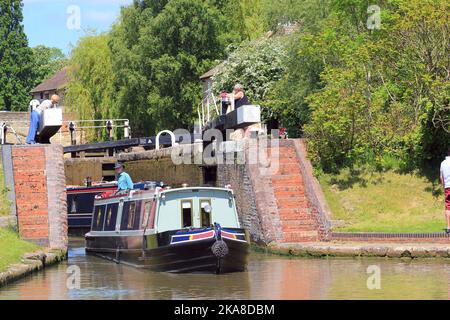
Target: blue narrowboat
80,201
189,229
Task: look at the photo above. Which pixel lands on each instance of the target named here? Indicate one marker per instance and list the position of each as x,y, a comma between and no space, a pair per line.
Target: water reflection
268,277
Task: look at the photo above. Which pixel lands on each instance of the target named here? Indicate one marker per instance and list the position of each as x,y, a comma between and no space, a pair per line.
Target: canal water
268,277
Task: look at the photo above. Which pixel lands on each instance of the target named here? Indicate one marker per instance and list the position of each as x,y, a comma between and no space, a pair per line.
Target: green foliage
308,13
90,90
46,62
358,92
360,96
233,22
253,16
257,65
303,64
15,58
158,56
364,200
12,248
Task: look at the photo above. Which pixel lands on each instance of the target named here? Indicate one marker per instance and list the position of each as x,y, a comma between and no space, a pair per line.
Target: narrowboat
188,229
80,202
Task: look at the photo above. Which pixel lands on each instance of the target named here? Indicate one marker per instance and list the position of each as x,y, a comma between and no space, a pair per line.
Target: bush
257,65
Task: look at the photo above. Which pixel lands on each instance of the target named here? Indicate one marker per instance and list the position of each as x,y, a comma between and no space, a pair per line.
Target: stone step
295,217
310,233
303,227
295,188
286,181
287,160
290,203
293,176
280,195
292,211
295,229
289,169
287,151
300,222
303,236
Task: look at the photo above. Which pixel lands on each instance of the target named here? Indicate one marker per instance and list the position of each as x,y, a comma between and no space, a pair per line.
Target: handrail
172,135
72,126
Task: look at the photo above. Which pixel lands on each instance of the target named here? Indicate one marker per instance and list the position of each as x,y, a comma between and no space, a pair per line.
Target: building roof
57,81
212,72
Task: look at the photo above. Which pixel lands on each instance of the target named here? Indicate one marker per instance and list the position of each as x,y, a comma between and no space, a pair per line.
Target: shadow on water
268,277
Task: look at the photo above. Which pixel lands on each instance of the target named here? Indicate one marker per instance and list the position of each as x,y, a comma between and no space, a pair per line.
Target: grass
12,248
371,201
4,205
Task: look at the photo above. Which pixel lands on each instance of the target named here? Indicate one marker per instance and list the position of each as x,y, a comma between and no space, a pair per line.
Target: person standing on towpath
445,180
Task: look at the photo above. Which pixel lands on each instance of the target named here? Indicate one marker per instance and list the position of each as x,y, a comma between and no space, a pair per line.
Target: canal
268,277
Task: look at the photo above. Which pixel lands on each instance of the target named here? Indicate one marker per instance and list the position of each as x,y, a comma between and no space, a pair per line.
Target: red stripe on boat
203,235
228,235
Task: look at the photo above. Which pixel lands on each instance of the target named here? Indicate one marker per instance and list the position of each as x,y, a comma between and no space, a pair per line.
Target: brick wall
158,165
385,237
39,185
280,202
56,196
77,169
237,176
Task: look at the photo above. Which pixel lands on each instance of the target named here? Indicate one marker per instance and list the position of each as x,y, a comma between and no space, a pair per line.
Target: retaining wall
279,200
158,165
37,182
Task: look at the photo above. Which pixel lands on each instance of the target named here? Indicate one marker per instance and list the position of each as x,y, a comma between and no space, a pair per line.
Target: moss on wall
4,204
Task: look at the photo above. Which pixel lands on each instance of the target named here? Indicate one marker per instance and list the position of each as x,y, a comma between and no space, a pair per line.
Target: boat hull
191,256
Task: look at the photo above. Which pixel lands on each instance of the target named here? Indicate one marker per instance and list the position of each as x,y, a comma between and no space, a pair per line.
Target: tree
233,21
257,65
46,62
383,93
15,58
308,13
90,91
158,55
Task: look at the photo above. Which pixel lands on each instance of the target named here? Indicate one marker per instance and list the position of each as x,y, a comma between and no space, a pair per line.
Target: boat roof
151,193
195,188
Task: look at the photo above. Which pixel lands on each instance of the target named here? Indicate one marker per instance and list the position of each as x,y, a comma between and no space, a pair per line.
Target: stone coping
32,262
388,235
358,249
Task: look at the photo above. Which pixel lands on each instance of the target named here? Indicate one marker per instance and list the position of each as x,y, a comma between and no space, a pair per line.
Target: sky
60,23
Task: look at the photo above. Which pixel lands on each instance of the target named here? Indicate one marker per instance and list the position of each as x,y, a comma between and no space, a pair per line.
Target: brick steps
288,169
291,180
289,195
307,226
289,203
300,236
297,223
293,188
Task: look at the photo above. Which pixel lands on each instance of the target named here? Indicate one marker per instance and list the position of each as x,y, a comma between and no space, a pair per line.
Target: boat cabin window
98,218
111,217
186,213
205,212
147,212
80,203
130,215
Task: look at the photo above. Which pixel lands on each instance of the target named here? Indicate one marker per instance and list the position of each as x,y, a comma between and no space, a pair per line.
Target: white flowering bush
257,65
